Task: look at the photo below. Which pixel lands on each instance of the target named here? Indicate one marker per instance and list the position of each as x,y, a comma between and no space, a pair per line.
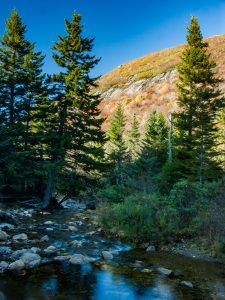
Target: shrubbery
189,210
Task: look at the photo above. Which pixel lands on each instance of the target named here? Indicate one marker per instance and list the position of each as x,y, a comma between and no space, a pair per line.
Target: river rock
62,258
107,255
19,253
3,266
50,250
6,226
45,238
48,223
72,228
3,236
165,272
20,237
35,250
31,260
187,284
5,250
79,259
17,266
151,249
49,229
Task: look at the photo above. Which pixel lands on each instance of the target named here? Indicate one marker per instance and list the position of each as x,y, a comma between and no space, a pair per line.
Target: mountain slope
149,82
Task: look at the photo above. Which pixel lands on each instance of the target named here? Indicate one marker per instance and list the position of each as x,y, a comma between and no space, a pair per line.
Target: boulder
3,236
50,250
19,253
20,237
49,229
35,250
187,284
107,255
5,251
6,226
45,238
151,249
3,265
62,258
31,260
165,272
17,266
79,259
72,228
48,223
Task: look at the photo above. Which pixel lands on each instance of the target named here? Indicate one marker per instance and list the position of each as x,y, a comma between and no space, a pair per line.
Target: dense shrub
190,210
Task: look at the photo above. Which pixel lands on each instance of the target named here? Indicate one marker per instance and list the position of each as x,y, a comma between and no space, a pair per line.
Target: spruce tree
133,140
20,87
116,148
155,141
200,100
76,150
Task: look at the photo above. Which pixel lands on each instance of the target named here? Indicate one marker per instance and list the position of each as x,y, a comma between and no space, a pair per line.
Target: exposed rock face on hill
149,83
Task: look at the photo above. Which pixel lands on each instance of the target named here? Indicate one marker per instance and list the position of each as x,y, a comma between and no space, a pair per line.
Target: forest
161,184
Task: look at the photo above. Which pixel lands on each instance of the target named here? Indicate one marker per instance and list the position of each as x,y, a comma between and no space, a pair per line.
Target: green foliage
21,87
115,147
200,100
133,144
156,137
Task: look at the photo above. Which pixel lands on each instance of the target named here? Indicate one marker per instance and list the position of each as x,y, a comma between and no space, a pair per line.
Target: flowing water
131,275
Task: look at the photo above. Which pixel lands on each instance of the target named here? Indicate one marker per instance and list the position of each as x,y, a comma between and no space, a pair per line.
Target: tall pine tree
200,100
20,87
76,149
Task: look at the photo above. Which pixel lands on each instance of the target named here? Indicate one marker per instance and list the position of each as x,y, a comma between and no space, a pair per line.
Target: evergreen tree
76,149
20,87
199,99
155,141
146,169
116,148
133,140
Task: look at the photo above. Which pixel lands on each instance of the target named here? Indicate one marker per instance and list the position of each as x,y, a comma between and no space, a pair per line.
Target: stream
129,274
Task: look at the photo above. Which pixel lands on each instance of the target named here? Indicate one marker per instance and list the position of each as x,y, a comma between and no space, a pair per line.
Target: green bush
112,193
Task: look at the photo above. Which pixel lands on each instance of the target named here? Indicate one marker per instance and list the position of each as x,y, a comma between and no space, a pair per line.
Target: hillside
149,82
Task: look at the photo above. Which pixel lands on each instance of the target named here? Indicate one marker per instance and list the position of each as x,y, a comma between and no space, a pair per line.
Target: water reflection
86,282
110,287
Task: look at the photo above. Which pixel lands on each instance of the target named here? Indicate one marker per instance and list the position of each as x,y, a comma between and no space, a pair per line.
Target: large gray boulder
17,266
20,237
79,259
3,236
31,260
5,251
19,253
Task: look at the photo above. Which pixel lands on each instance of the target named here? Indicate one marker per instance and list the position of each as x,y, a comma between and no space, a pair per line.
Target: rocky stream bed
64,254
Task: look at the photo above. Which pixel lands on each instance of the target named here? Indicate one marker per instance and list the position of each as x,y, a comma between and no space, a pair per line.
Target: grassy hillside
131,82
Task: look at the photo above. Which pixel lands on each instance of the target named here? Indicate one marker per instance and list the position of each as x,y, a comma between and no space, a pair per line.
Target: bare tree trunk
48,194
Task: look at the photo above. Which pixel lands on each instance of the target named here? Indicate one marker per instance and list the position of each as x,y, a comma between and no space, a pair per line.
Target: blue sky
124,29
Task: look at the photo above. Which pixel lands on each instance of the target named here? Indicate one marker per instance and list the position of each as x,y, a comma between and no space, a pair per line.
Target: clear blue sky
124,29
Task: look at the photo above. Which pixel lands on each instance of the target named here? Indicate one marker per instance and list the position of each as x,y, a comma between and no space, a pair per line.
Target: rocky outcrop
149,83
